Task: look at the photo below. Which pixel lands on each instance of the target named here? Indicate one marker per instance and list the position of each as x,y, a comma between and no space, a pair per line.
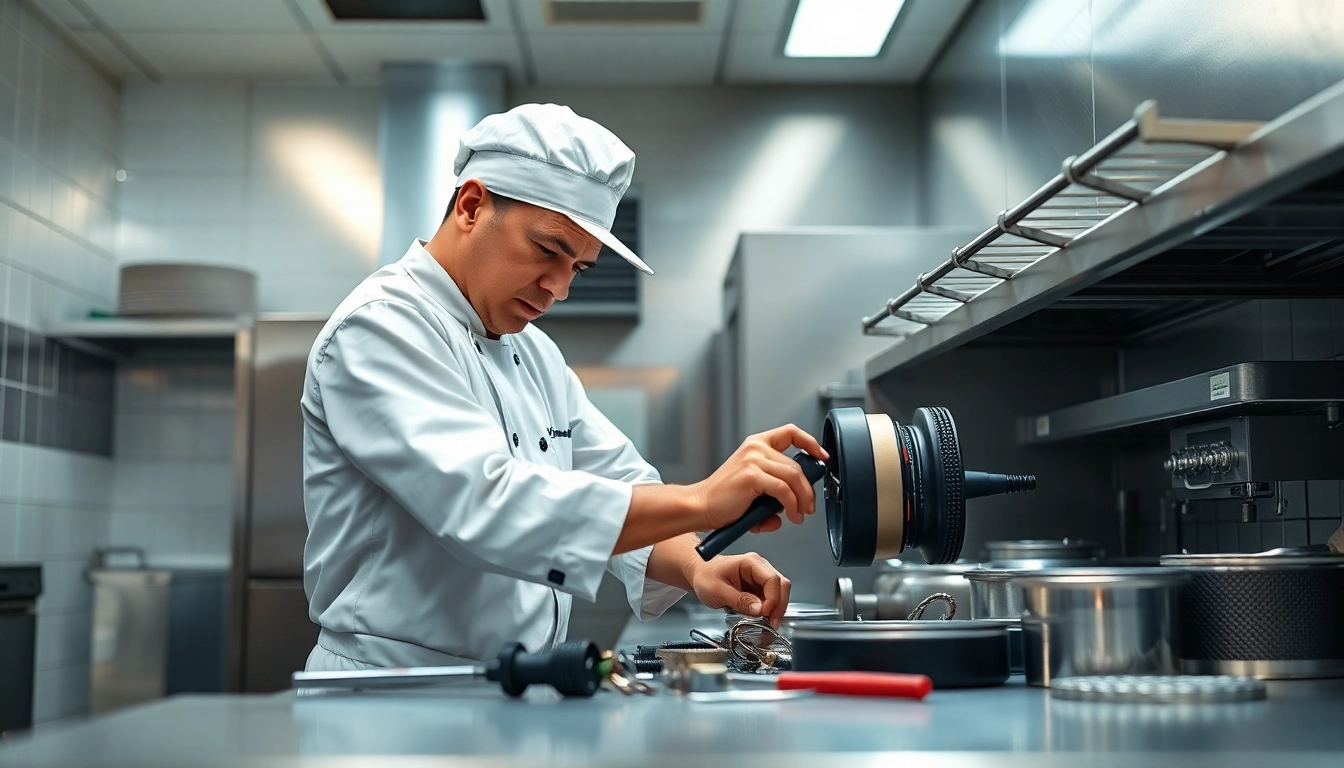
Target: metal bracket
1032,233
1093,181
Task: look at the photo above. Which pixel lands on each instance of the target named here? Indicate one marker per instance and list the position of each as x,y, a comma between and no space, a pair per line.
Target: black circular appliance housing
850,483
890,487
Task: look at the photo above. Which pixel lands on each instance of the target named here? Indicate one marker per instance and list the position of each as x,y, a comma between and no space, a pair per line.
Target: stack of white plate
186,289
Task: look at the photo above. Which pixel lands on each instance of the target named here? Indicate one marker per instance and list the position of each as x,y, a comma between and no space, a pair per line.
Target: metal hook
918,613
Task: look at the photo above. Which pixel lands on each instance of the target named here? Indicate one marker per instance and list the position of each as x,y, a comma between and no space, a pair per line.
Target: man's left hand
748,584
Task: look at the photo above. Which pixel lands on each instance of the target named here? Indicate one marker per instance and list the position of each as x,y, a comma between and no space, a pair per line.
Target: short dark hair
501,202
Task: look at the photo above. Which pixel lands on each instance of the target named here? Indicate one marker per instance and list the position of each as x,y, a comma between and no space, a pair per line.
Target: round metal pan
954,654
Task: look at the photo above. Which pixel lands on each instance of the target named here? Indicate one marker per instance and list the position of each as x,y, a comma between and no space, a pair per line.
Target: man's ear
470,203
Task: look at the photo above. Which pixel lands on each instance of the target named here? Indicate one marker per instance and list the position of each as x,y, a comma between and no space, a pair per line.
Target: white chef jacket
459,490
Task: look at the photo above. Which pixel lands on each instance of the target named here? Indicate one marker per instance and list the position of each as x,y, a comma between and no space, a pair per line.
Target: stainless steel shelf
1253,387
144,328
950,307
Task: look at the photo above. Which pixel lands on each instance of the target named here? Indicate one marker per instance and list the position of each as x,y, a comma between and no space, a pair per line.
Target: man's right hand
759,467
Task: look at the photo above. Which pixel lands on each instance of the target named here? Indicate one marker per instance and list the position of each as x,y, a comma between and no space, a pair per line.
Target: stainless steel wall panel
1237,59
1027,82
278,528
963,168
1046,49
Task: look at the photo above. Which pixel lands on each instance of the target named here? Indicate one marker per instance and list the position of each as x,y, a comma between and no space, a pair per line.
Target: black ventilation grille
625,12
406,10
609,288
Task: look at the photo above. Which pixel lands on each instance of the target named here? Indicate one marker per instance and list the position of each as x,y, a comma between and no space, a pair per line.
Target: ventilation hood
426,109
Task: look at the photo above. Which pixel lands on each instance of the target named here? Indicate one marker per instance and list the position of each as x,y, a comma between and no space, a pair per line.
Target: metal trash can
156,632
130,633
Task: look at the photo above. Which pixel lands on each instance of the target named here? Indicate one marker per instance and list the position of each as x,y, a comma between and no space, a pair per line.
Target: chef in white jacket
460,489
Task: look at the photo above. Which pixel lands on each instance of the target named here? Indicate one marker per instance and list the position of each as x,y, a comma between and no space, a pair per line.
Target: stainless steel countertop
475,724
1009,725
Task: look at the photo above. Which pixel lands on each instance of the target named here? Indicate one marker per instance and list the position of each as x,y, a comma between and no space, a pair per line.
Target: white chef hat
546,155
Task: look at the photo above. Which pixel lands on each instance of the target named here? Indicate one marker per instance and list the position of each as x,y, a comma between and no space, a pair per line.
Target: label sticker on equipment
1042,426
1220,386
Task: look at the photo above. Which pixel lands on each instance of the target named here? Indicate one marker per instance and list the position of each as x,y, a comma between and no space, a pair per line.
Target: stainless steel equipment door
278,527
280,634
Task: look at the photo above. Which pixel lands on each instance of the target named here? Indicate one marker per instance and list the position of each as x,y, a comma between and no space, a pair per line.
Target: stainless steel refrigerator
270,632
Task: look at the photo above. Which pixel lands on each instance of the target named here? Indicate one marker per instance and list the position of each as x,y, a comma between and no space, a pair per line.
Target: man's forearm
658,513
673,562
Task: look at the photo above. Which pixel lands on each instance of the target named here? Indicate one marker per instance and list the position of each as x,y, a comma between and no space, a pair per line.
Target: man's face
519,260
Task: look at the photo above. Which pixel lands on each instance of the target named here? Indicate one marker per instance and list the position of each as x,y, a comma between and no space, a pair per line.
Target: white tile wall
58,153
173,489
280,180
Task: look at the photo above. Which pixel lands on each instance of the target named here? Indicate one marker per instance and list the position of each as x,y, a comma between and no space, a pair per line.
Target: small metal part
944,597
1159,689
622,679
1248,511
1332,415
708,677
676,658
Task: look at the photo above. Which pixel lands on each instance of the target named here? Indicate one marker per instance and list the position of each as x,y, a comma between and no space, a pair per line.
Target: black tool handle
570,668
760,509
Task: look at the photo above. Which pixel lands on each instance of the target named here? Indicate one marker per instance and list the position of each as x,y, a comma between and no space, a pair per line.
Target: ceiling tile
625,60
763,16
364,53
200,15
497,19
105,52
62,12
534,19
228,54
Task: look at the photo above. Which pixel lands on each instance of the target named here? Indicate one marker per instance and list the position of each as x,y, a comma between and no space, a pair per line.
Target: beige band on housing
887,470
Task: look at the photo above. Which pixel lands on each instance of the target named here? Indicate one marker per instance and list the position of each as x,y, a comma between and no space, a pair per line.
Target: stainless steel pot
1099,621
994,595
1040,551
1273,615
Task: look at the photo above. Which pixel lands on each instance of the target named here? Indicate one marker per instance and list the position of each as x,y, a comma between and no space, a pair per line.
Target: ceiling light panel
841,29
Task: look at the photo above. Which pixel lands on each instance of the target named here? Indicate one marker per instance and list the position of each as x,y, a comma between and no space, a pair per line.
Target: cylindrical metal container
1027,550
954,654
900,586
1099,621
993,593
1273,615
